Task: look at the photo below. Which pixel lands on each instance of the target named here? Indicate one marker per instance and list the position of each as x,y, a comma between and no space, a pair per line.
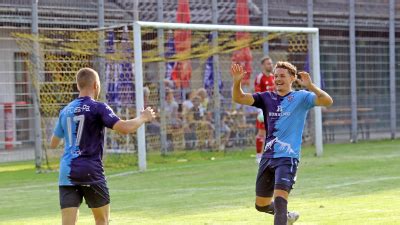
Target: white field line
186,190
361,182
16,187
127,173
354,157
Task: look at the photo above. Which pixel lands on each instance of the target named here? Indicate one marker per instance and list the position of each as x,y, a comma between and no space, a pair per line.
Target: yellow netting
298,43
63,52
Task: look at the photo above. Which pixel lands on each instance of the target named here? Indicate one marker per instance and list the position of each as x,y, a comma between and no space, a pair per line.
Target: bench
363,127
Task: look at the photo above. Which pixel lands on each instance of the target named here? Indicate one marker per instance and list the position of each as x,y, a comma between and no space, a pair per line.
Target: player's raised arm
130,126
323,98
238,95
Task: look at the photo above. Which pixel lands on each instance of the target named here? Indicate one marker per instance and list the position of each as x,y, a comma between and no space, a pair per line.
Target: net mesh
179,63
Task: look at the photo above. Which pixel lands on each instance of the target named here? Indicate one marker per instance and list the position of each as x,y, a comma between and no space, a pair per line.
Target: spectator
197,109
202,124
172,118
204,100
191,118
171,108
169,84
225,131
187,105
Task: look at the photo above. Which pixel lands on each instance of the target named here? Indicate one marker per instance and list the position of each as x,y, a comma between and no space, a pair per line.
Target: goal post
138,27
147,64
141,137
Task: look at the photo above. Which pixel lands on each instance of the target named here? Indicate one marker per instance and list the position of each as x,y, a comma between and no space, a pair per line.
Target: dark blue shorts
278,173
96,195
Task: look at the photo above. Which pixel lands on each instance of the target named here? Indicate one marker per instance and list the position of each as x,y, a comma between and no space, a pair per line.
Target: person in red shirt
264,82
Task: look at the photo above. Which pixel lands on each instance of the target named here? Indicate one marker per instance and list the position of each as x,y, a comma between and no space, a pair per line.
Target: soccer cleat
292,217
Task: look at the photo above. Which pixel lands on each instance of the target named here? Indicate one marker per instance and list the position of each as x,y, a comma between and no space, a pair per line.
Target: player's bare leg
265,204
263,201
102,215
260,137
69,215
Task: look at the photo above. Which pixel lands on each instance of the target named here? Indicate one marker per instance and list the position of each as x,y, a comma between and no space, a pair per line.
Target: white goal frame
137,26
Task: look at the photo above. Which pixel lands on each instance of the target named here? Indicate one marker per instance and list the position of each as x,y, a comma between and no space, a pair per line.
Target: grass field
351,184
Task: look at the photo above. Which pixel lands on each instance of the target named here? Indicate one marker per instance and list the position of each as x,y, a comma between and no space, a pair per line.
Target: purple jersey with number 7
81,124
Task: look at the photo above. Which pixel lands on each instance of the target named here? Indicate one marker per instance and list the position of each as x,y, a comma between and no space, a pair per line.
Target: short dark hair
288,66
266,57
85,77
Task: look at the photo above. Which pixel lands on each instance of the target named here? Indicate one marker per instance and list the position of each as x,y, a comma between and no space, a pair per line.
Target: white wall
7,77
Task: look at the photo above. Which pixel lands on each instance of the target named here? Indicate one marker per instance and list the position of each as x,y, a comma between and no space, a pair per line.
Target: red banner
182,71
243,56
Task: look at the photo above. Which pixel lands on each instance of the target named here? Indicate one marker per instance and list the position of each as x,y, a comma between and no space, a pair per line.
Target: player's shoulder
98,105
301,95
271,93
259,77
68,107
104,109
261,74
302,92
62,110
268,94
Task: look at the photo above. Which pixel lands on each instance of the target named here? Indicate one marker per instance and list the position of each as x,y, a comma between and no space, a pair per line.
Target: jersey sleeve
309,99
258,101
107,115
58,130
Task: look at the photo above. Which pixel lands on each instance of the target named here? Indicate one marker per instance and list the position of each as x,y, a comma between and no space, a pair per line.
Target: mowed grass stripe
350,184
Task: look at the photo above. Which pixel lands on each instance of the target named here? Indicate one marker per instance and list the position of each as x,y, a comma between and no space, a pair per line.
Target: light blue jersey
285,117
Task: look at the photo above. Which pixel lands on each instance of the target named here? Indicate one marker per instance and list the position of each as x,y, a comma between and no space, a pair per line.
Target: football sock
280,216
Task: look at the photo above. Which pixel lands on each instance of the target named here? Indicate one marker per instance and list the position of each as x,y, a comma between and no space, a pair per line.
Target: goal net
181,70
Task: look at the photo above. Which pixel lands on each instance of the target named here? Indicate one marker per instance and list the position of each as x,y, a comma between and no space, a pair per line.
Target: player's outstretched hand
305,79
148,114
237,72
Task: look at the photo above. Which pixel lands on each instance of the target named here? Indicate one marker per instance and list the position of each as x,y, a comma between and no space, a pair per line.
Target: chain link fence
70,39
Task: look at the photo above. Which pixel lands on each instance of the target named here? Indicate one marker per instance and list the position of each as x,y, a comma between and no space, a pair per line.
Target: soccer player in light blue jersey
81,124
285,113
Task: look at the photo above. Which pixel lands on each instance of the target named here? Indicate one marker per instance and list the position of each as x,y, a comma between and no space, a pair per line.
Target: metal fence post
314,58
100,59
265,16
35,84
392,68
135,10
161,77
353,74
217,77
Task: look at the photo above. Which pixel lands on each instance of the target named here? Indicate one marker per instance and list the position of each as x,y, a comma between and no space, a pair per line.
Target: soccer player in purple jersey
285,113
81,124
